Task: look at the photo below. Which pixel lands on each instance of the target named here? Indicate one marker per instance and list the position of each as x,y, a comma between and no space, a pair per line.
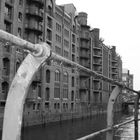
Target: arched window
47,76
57,75
5,88
65,78
6,66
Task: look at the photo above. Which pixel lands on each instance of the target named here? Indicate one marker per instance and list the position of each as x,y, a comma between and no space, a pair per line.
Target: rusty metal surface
18,92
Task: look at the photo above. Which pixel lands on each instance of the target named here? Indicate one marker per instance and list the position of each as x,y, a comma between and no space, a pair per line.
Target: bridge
39,54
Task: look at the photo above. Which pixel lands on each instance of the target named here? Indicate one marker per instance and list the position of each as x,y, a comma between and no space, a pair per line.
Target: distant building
127,79
57,88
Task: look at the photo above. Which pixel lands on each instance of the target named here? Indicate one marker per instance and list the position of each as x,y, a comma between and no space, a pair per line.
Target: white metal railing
20,85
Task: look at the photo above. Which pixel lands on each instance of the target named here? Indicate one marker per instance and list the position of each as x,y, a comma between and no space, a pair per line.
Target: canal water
73,129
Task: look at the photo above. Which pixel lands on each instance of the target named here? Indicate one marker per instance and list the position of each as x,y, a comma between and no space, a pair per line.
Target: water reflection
71,130
67,130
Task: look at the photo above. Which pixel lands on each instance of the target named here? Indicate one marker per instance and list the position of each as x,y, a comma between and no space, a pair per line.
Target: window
66,43
49,22
8,26
47,95
5,88
20,2
66,32
57,92
72,95
38,106
58,50
19,32
73,48
34,106
34,86
65,77
6,66
57,76
6,47
47,76
39,91
72,106
72,82
58,27
49,34
8,12
19,16
47,105
65,92
73,57
73,38
66,54
77,94
50,8
58,38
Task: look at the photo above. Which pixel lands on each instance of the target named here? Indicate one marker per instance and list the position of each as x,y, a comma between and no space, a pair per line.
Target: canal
71,130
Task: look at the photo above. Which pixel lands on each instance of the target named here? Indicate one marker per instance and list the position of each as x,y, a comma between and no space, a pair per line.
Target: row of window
56,106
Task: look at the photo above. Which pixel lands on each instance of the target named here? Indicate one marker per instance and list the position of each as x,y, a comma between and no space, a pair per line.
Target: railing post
136,106
110,111
18,92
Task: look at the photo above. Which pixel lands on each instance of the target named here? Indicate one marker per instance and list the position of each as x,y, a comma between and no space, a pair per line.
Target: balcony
8,17
84,47
114,65
35,12
114,71
97,62
84,37
37,28
97,54
115,77
97,48
84,55
39,2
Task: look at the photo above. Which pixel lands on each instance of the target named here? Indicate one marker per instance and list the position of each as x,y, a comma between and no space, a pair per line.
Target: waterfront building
57,88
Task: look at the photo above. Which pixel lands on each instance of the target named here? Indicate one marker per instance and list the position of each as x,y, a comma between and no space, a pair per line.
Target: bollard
110,111
18,92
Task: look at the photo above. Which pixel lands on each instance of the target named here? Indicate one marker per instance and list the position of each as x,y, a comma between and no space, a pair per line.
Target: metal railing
39,54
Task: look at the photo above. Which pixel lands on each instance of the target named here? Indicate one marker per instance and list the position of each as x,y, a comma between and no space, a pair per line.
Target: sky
119,24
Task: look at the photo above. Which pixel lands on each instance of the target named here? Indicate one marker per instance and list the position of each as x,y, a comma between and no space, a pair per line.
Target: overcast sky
119,23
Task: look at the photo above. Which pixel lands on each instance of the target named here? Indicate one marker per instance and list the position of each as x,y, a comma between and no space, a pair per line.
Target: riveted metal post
110,111
136,106
18,92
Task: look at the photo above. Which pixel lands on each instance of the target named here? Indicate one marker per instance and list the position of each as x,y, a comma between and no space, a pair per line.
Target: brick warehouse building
57,90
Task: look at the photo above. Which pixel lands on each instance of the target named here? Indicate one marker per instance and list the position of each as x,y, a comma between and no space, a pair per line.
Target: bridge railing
39,54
